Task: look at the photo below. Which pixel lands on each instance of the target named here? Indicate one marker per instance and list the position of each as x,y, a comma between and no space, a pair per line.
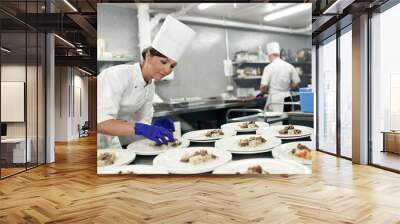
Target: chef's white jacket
123,94
278,76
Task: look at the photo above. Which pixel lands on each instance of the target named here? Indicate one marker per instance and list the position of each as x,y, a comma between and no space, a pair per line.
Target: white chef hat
273,48
173,38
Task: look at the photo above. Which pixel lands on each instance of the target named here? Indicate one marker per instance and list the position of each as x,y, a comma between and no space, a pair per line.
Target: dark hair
153,52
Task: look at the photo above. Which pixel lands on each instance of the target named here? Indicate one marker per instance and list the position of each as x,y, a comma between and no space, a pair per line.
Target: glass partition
385,89
327,96
13,94
22,91
346,93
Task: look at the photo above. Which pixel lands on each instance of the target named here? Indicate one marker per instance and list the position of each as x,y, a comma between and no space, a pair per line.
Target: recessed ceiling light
288,11
203,6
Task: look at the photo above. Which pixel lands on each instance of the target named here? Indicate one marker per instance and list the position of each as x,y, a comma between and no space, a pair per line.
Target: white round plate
272,166
232,144
124,156
132,169
200,135
147,147
274,131
272,114
284,152
170,160
235,126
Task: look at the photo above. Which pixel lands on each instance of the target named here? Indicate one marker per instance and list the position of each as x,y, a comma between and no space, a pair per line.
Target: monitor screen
3,129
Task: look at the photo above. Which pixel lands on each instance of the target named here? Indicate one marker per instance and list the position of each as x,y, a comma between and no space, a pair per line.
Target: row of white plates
168,160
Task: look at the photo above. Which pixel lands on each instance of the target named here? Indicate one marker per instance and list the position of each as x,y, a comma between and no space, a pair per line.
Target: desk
15,148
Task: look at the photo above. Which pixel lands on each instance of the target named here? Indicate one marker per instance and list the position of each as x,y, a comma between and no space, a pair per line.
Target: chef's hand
165,123
157,134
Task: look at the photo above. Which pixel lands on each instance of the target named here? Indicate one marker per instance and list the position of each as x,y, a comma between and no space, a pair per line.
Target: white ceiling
244,12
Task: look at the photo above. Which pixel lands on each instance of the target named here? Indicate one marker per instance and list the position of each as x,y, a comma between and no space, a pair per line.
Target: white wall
68,81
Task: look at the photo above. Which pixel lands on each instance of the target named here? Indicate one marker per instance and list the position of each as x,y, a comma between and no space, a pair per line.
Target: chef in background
278,79
125,92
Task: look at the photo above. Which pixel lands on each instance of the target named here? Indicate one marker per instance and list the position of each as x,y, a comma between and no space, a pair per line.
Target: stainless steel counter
204,106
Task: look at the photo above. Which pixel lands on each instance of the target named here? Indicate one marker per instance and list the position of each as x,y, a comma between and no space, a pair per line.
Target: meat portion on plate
175,143
250,124
257,169
290,130
252,141
198,157
106,159
214,133
302,151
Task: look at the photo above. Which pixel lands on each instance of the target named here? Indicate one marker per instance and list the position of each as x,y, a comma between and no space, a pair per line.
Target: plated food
252,141
247,126
290,130
197,157
132,169
207,135
248,144
301,152
192,160
262,166
287,131
148,147
114,157
106,158
173,144
257,169
214,133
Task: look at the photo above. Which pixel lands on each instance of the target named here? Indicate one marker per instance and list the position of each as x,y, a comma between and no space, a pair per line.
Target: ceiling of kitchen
243,12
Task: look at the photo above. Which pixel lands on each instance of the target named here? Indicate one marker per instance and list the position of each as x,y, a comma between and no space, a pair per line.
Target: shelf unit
254,81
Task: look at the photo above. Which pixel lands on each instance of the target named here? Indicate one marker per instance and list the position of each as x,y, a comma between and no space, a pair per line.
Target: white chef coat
278,76
123,94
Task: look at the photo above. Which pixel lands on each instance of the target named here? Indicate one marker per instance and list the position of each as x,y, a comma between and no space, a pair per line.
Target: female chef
125,92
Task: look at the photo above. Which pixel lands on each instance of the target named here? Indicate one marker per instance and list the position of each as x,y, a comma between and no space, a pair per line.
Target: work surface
70,191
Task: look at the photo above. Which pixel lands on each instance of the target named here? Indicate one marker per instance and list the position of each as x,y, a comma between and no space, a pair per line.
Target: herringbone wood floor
69,191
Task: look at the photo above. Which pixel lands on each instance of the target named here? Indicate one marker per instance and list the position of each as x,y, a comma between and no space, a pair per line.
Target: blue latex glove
165,123
157,134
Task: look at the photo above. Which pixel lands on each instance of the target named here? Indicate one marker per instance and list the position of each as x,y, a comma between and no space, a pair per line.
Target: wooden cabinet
391,142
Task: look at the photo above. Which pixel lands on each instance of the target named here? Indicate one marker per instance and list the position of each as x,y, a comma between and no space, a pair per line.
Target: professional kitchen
216,96
147,112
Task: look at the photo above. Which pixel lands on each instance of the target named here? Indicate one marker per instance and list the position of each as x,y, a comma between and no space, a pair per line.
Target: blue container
307,102
305,90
